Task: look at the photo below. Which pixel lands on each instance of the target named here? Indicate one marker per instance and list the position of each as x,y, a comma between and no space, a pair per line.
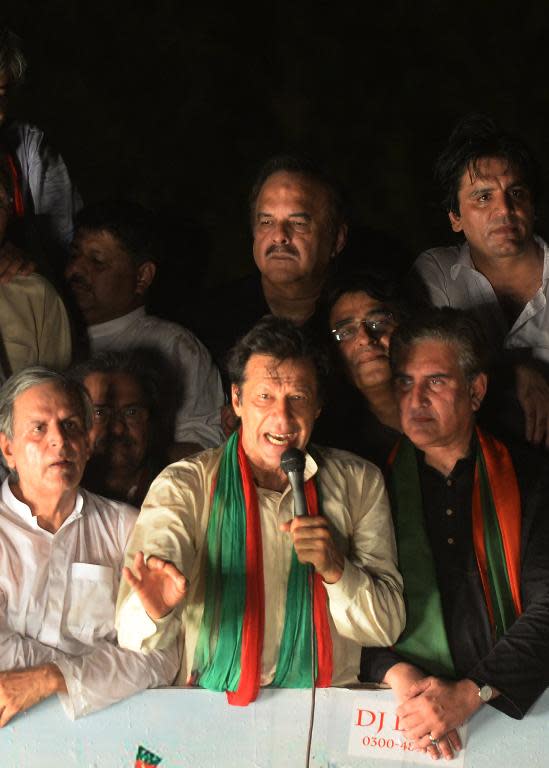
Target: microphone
292,463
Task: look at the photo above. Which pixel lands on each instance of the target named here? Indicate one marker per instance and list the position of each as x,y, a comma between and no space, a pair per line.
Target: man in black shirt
473,542
298,226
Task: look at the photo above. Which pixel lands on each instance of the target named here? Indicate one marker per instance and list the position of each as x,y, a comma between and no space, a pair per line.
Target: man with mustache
490,184
472,537
114,258
132,417
298,227
61,553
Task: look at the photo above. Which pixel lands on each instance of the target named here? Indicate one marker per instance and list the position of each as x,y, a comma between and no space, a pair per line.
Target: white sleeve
18,651
109,674
198,419
54,197
366,604
428,274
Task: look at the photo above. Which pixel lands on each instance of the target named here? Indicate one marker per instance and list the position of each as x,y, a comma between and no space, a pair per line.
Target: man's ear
145,275
340,240
236,399
455,221
479,385
5,447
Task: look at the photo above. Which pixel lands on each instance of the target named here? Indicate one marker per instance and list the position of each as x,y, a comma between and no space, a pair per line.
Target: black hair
474,138
157,383
131,224
301,166
448,325
281,339
378,286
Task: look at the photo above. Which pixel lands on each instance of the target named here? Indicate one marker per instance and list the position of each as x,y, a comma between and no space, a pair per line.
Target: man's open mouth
280,439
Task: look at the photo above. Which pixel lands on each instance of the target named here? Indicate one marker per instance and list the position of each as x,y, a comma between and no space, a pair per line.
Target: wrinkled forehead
293,189
296,371
47,397
428,356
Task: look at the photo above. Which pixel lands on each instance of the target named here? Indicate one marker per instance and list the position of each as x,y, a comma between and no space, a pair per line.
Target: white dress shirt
57,601
45,182
451,280
198,418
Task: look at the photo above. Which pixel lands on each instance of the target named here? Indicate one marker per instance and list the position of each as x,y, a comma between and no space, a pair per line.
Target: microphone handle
300,503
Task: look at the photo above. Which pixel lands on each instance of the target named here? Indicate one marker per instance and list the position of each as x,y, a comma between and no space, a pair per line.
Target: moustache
79,282
110,443
282,249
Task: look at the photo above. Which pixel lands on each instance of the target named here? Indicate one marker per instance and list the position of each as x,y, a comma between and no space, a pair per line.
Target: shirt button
448,482
449,512
450,540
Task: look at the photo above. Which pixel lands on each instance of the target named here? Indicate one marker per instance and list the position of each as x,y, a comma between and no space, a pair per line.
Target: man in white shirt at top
490,181
61,553
114,258
48,197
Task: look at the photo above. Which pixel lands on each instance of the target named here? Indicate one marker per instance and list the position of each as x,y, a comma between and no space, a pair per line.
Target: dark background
177,104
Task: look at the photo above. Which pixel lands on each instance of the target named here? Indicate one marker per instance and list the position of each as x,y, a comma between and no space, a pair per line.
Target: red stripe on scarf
253,624
478,544
18,206
506,496
320,611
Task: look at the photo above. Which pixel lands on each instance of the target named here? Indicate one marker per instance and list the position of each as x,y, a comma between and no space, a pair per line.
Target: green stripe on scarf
218,651
424,641
498,578
217,655
293,669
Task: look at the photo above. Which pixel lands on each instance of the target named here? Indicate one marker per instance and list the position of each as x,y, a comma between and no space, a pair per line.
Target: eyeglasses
130,414
374,327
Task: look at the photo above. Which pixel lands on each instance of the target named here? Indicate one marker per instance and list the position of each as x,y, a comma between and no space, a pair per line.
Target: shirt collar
464,260
118,325
465,464
311,468
23,510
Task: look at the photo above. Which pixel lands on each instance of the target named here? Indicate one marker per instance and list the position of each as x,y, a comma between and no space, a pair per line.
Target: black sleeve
518,664
376,662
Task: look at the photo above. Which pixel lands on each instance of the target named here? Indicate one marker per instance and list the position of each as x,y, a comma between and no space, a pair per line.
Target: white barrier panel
194,728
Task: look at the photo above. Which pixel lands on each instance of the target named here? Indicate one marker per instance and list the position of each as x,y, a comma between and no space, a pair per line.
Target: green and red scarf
230,639
496,523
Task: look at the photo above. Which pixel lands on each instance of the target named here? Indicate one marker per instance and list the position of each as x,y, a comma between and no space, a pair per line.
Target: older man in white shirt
61,552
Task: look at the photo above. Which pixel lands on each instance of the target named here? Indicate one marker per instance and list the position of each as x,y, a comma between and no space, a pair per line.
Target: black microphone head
292,460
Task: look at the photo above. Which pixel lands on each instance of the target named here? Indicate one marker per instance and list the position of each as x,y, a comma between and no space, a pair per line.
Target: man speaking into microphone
219,560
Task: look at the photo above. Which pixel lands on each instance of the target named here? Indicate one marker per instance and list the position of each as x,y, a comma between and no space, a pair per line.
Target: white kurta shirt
57,601
365,607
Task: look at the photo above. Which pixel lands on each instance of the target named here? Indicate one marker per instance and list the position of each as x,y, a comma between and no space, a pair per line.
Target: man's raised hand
159,584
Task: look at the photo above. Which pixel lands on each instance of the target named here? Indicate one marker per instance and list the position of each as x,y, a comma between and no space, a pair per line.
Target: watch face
485,693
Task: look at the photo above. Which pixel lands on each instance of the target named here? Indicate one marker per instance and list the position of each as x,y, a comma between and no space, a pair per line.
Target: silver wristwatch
485,693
